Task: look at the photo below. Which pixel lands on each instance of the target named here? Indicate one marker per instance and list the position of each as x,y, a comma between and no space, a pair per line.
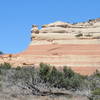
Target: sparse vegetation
96,91
88,35
5,66
60,79
95,94
42,81
79,35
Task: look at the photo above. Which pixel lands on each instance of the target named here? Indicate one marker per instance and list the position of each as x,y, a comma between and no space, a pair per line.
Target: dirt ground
14,97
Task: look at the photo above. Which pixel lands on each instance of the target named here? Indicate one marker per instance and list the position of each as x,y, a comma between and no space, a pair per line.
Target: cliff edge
62,44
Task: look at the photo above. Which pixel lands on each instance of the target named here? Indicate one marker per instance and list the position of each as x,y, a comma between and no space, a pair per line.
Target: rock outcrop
63,44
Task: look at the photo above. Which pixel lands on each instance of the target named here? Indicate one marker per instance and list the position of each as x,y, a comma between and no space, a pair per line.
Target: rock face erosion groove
62,44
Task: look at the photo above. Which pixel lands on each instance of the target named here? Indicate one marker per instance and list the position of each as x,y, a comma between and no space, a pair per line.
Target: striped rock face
63,44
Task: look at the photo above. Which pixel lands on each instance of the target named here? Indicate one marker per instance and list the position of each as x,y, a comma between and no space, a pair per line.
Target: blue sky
17,16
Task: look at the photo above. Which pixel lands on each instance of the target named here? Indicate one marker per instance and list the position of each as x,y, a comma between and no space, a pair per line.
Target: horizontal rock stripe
62,44
65,41
82,58
64,49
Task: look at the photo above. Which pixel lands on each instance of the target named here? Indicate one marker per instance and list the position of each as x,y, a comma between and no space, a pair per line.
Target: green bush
95,94
52,75
97,74
66,79
66,83
24,74
18,68
61,79
96,91
79,35
68,73
0,72
3,69
49,76
44,71
71,79
88,35
5,66
0,86
55,77
76,81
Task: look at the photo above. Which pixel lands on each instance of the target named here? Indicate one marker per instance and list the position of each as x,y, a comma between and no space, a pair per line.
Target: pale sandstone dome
57,24
92,27
61,44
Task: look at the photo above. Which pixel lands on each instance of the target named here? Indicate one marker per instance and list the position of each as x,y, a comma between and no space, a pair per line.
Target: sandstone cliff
63,44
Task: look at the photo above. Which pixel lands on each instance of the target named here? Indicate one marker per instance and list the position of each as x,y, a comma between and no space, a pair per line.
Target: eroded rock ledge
62,44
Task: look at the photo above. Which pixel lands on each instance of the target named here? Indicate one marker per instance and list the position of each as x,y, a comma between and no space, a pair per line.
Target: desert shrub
94,80
79,35
96,91
0,87
65,83
71,79
68,73
96,74
67,78
51,75
44,71
55,77
76,82
95,94
5,66
88,35
18,68
0,72
25,74
48,76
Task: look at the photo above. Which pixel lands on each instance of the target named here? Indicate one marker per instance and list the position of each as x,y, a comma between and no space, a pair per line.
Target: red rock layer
63,44
84,59
64,49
